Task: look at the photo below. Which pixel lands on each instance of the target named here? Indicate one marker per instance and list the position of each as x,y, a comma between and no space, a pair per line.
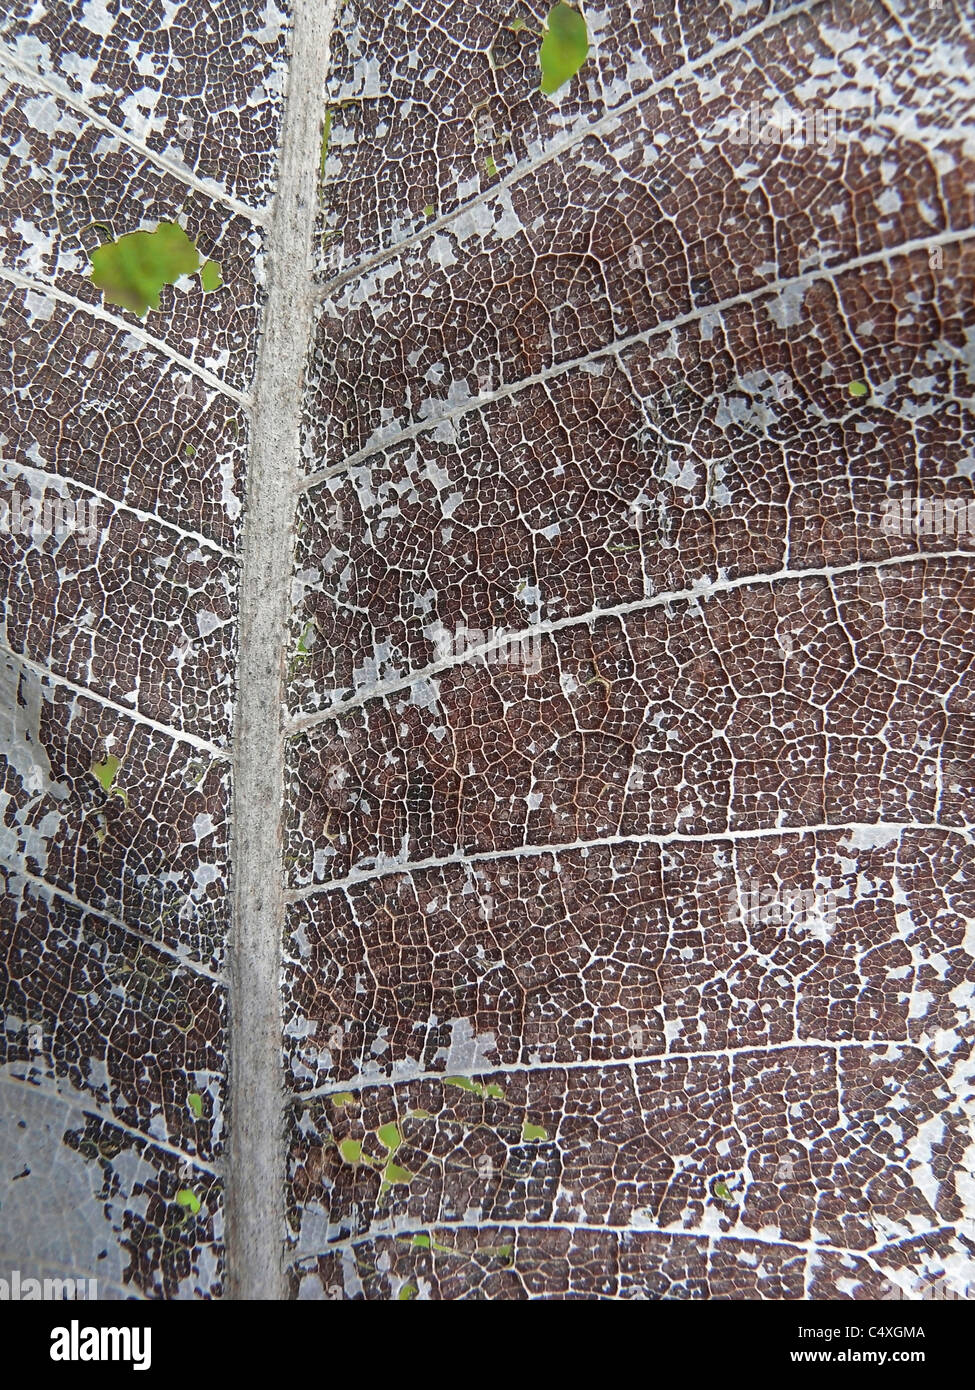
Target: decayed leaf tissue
486,707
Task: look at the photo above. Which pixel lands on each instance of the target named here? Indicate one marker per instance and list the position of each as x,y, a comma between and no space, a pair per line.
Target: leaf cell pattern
119,628
600,657
586,404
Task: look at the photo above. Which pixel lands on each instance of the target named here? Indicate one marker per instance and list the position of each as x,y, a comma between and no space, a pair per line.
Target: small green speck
351,1150
210,276
529,1131
425,1242
187,1198
343,1098
132,270
390,1137
195,1102
428,211
490,167
466,1084
326,133
406,1292
189,452
306,639
516,26
106,773
421,1115
565,47
859,389
721,1190
463,1082
393,1174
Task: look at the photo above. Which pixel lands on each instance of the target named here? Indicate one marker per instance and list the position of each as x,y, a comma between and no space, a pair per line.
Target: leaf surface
133,270
618,946
565,44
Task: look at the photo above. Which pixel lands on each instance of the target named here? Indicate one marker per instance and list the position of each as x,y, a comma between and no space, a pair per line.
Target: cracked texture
119,632
580,399
580,372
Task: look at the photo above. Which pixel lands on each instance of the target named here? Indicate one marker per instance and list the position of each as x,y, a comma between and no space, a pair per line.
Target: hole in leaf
390,1137
393,1175
210,277
565,47
492,1090
106,773
133,270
